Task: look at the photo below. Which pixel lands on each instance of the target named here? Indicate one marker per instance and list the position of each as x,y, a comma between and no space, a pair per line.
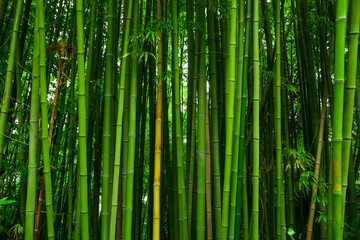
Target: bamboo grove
179,119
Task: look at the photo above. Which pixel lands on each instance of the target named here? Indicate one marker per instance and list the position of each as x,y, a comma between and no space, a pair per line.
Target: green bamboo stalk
178,126
242,188
277,88
44,121
289,168
239,117
20,116
256,137
353,202
82,120
214,129
190,46
209,213
192,148
77,232
33,137
99,122
90,73
132,134
350,85
71,142
230,97
245,200
200,207
70,190
119,123
340,31
105,197
329,214
10,73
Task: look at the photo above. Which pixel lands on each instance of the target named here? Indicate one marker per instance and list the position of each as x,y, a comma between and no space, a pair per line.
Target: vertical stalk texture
256,135
239,117
201,175
119,123
84,219
33,137
105,197
340,31
317,168
10,73
178,125
214,127
277,86
158,128
349,96
229,112
129,205
44,121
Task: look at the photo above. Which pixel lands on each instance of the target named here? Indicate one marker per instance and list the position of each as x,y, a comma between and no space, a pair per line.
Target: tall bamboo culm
229,112
256,132
119,123
238,118
178,125
105,196
158,128
132,134
340,35
349,96
278,143
10,74
214,127
44,121
84,219
33,137
201,173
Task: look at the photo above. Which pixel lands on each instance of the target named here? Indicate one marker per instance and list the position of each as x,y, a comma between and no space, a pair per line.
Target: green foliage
292,234
303,164
147,35
4,201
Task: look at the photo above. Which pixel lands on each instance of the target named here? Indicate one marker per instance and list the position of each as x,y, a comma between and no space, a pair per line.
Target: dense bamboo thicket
179,119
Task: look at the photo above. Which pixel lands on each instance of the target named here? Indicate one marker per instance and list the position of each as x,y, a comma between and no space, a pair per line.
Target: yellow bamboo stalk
157,165
317,167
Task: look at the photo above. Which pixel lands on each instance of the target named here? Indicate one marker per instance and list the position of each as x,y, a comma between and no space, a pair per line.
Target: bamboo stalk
349,97
229,112
119,125
337,118
82,121
256,118
33,137
317,167
10,73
